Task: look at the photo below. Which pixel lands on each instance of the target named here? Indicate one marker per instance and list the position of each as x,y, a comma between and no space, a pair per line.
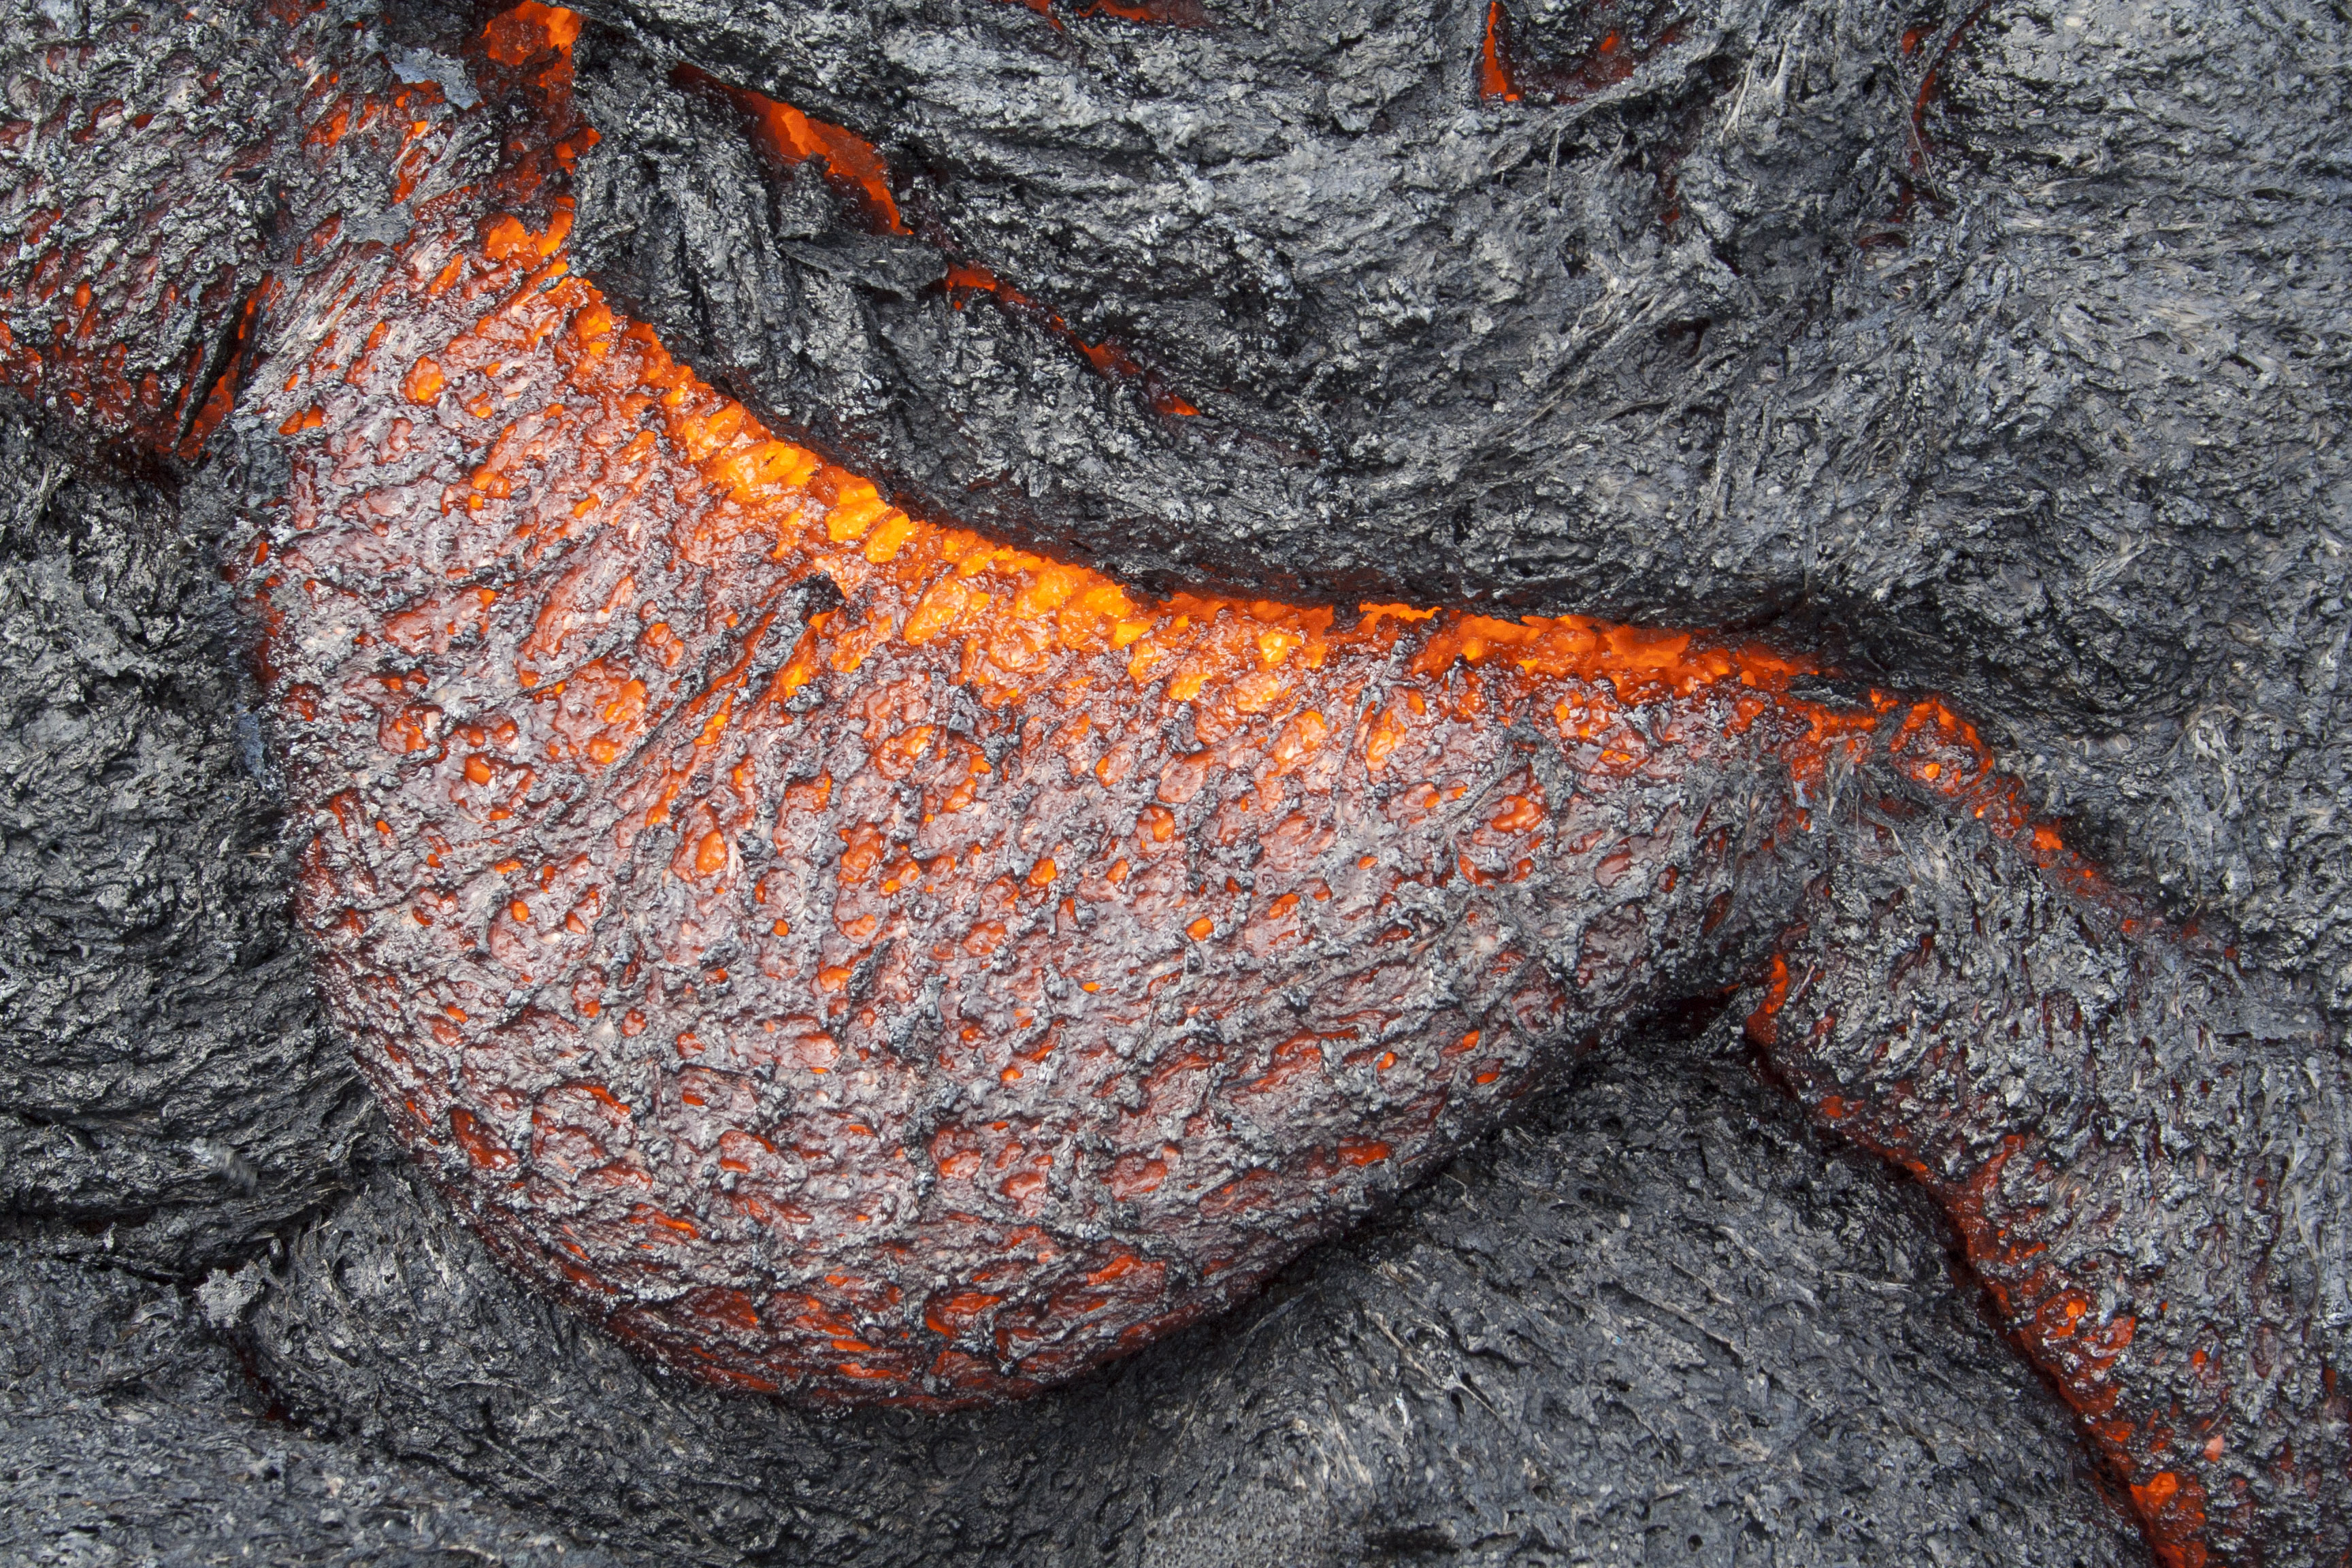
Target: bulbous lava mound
852,956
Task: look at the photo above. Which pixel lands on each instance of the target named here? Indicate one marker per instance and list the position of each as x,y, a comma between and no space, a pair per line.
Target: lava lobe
850,956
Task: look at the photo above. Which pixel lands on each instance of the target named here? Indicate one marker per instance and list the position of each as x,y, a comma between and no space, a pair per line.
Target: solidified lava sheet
853,957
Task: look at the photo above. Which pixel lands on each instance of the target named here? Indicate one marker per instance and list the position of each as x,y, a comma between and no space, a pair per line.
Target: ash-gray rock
169,1090
2036,394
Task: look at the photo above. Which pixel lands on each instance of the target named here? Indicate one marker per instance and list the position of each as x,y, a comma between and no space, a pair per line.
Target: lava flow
849,956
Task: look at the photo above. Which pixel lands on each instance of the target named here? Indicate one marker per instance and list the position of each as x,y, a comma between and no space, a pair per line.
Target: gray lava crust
2050,418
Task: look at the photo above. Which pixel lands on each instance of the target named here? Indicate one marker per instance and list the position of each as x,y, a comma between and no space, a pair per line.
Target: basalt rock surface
1999,346
169,1088
131,1432
1658,1312
2077,1160
1656,1321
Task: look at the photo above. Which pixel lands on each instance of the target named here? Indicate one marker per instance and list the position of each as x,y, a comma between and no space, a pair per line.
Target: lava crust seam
851,957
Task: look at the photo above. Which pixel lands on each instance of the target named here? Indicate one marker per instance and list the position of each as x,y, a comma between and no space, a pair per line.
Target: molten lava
848,955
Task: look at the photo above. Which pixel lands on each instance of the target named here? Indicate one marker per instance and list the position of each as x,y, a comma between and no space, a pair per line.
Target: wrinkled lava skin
851,957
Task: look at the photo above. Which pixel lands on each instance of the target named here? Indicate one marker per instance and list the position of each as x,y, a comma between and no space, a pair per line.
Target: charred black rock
128,1431
168,1091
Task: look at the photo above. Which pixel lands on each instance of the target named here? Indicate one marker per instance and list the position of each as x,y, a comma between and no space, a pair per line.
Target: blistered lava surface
856,956
852,956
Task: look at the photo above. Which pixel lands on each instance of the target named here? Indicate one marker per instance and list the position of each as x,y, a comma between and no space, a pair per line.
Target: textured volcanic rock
2192,1243
168,1091
930,996
927,987
168,1088
129,1433
1659,1312
1656,1314
2036,1135
2026,381
114,130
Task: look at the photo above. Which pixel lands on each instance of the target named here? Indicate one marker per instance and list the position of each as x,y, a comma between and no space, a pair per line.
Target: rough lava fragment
851,957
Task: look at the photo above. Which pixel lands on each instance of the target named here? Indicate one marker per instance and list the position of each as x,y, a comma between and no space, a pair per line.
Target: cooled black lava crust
2023,382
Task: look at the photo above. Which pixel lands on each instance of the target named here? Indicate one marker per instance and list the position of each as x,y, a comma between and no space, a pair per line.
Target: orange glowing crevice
1153,12
222,395
788,139
1504,77
1914,185
1931,80
516,36
2046,1315
1113,362
1156,13
1494,75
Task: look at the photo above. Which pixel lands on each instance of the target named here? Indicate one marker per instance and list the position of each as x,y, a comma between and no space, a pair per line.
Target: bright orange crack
1505,77
788,138
1156,13
1494,76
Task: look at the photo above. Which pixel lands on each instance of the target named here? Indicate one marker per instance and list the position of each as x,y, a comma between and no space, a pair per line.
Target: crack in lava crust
849,956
